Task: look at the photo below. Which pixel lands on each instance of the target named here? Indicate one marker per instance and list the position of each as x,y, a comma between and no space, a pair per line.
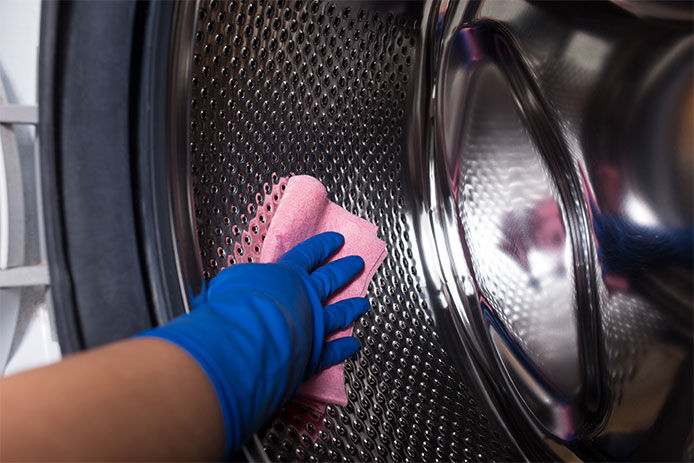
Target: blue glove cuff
225,394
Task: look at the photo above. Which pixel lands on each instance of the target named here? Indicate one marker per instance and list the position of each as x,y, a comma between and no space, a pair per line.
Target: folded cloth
303,211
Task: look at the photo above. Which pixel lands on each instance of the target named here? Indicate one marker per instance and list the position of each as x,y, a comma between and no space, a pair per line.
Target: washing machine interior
529,165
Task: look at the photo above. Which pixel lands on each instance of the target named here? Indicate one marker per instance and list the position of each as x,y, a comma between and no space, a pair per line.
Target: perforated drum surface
323,89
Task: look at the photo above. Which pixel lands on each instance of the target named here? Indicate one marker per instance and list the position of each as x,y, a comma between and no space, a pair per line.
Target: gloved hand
258,330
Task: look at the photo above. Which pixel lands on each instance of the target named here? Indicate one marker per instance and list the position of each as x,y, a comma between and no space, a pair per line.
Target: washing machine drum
529,166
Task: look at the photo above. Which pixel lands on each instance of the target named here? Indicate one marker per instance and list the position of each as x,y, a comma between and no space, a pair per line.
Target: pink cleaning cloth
303,211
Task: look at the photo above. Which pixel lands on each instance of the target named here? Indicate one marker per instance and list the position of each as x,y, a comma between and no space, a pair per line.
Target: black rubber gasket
98,147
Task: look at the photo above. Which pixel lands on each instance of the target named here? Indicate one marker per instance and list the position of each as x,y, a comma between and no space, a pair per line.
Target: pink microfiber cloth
304,210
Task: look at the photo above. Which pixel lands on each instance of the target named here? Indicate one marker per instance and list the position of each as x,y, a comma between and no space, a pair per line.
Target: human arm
255,335
135,399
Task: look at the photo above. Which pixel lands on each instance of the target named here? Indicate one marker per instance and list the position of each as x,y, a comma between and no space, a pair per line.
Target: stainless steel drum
529,165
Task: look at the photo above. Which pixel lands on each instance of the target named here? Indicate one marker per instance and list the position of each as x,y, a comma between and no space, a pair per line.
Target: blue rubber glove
258,330
628,248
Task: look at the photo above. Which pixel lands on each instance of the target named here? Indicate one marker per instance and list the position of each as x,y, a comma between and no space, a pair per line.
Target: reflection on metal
563,221
516,208
179,187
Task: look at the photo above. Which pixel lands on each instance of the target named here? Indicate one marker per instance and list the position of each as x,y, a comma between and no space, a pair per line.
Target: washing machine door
529,165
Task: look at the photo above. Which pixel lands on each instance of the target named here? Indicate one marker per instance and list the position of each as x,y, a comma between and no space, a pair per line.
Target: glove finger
310,253
333,275
339,315
337,351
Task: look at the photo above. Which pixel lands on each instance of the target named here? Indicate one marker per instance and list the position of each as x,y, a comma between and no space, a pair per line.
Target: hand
258,330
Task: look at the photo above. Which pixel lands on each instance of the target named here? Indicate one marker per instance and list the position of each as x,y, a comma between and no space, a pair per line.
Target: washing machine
529,165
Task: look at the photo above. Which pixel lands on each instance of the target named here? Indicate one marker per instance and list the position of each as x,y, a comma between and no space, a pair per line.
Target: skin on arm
198,386
136,399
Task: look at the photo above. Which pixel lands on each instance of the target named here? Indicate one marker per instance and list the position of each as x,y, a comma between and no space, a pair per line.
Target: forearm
136,399
198,386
